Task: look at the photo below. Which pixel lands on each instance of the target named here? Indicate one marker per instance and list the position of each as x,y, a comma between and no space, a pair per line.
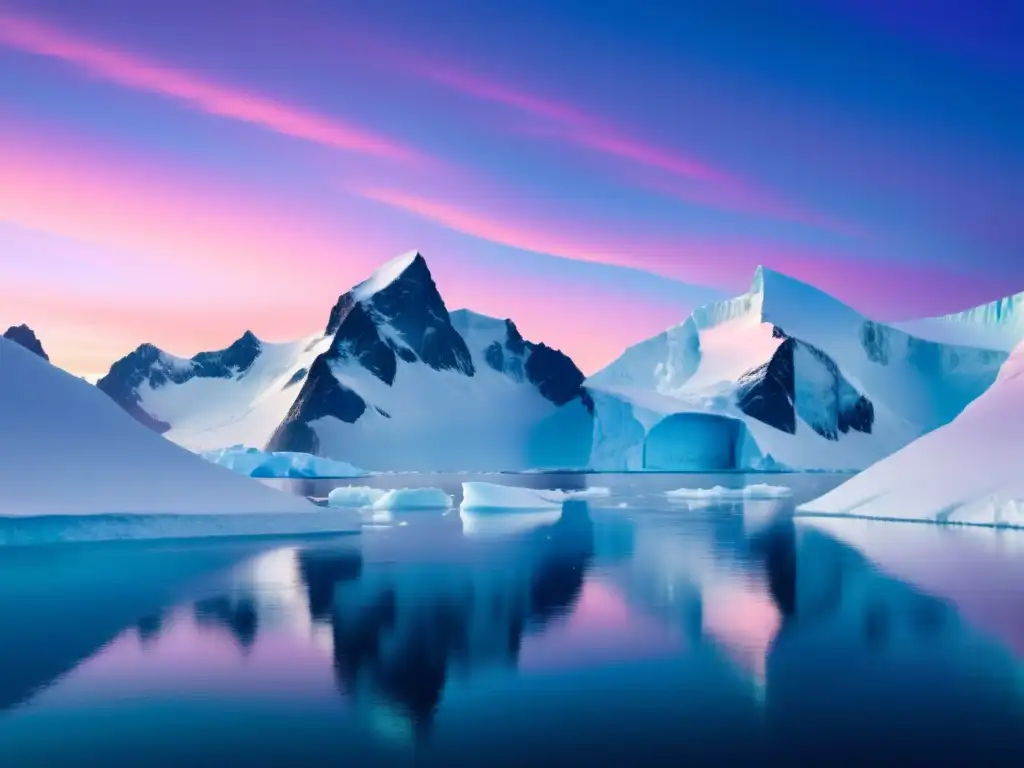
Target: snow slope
968,471
997,325
68,450
406,385
784,374
233,396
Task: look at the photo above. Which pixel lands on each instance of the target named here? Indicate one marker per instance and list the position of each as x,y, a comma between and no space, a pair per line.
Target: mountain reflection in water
657,633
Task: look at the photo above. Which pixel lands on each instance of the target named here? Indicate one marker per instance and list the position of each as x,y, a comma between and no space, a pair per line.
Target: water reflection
594,634
399,632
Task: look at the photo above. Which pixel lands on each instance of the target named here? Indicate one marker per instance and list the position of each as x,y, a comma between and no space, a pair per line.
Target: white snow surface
997,325
384,276
694,367
494,496
968,471
439,420
68,449
206,414
756,491
487,496
364,497
256,463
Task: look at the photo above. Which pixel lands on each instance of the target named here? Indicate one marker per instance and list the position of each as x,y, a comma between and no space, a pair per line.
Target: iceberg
493,524
479,495
355,497
139,484
283,464
968,471
363,497
756,491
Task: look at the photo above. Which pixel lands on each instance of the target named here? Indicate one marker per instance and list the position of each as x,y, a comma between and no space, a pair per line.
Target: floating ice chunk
493,523
354,496
758,491
256,463
494,496
363,497
414,498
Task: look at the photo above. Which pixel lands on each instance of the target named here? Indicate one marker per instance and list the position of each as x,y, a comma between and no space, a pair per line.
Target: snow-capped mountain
782,374
68,450
406,385
996,325
394,382
968,471
26,337
236,395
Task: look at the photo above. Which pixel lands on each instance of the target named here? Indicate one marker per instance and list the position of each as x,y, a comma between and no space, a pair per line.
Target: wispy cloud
495,230
195,91
669,172
872,286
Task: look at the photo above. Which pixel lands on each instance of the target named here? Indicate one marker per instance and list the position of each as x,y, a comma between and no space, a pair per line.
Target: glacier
76,466
282,464
996,325
783,376
968,471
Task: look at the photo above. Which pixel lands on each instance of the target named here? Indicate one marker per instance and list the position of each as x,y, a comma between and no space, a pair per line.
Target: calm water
644,634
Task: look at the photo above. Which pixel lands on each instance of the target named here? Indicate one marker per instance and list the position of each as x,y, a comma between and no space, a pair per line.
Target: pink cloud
493,229
209,97
588,131
704,183
872,286
168,216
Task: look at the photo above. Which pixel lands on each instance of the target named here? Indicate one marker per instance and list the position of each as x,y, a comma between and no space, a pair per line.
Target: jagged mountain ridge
151,365
26,337
394,341
379,336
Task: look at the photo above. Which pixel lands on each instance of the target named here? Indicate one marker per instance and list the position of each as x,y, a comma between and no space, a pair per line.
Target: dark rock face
553,373
150,364
406,319
802,381
321,395
767,392
26,337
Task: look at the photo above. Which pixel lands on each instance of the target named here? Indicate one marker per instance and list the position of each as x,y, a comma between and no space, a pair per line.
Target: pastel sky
180,171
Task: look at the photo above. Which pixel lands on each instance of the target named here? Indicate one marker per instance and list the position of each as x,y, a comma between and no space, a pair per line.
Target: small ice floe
363,497
758,491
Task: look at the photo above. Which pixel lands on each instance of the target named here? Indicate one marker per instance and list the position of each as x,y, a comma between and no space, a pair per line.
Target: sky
180,172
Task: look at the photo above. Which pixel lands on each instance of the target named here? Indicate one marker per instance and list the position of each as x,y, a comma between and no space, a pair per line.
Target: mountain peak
26,337
408,265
